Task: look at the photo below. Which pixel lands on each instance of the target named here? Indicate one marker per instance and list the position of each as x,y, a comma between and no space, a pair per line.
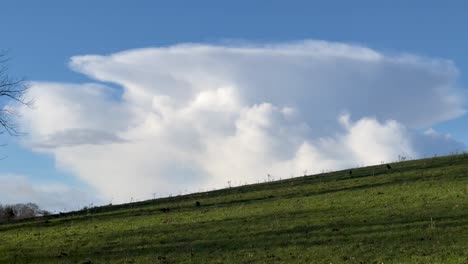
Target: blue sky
42,36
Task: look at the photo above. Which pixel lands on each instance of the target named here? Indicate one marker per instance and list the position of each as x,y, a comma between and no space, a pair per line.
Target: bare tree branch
11,89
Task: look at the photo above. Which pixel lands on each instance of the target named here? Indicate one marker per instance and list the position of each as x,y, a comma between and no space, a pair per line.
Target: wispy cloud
74,137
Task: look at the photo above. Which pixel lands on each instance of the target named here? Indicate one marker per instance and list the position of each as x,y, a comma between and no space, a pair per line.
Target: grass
417,212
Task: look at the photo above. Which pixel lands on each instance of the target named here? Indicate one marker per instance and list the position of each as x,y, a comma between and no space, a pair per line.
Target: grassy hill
416,212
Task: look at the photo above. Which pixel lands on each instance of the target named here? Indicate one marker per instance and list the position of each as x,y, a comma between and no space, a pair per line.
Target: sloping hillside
415,212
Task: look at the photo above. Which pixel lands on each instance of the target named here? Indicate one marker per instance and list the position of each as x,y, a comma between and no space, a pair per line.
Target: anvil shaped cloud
193,116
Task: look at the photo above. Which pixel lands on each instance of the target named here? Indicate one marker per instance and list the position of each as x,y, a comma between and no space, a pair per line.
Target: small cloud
432,142
75,137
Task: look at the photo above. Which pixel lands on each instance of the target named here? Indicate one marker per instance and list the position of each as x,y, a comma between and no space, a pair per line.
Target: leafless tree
11,89
20,211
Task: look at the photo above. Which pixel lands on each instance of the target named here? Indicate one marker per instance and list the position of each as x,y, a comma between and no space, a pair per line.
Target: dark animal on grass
165,210
197,203
350,172
389,167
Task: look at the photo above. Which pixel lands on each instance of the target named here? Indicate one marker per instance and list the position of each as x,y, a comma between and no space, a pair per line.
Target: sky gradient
381,39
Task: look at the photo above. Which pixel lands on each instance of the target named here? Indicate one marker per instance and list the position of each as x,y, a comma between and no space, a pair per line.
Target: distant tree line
19,211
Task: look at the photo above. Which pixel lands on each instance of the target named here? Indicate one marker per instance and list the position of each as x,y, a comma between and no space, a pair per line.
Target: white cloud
50,196
196,116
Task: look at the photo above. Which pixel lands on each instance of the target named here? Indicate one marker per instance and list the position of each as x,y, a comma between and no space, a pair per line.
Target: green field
416,212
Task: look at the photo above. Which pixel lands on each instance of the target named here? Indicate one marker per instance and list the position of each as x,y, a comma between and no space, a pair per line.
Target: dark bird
388,166
165,210
350,172
197,203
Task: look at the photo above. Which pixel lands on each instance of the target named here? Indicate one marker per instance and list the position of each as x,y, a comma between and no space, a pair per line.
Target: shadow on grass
261,233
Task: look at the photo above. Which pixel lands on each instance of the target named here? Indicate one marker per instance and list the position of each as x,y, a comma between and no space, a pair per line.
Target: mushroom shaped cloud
192,117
